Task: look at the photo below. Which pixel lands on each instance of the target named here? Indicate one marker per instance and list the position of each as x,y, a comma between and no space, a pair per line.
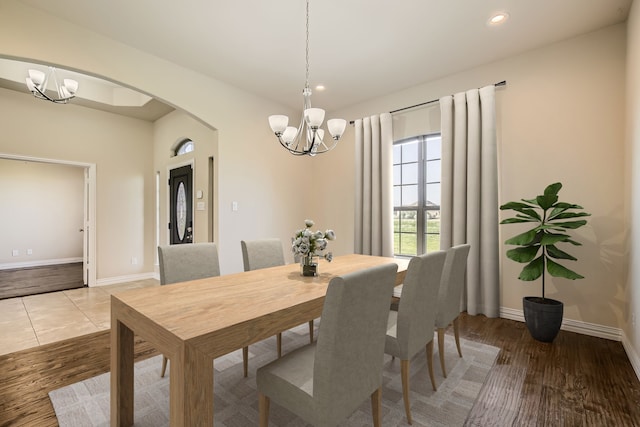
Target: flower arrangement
308,244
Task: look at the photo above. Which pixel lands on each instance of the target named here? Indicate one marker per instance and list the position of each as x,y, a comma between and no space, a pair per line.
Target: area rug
86,403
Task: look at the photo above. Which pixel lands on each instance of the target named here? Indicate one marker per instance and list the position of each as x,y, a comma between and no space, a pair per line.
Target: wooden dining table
194,322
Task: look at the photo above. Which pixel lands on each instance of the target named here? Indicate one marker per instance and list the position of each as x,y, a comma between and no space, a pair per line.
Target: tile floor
31,321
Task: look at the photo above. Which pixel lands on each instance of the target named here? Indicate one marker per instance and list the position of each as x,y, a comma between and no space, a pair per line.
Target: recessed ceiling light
320,87
498,18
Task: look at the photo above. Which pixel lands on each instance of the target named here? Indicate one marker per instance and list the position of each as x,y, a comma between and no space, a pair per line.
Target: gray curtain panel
469,210
374,186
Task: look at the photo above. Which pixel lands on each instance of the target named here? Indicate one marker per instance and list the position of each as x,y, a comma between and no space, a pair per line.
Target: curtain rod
502,83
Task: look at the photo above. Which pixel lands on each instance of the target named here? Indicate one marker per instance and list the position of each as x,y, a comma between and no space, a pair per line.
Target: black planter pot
543,317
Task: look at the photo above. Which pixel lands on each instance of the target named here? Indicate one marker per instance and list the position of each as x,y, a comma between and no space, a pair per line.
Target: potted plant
538,249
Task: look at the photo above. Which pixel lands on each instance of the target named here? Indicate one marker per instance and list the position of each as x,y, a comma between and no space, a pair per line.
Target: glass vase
308,266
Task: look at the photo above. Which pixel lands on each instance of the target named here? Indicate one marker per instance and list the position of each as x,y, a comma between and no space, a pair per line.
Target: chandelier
308,138
37,85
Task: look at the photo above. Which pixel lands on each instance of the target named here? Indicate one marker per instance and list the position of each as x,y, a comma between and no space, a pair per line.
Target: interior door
85,230
181,205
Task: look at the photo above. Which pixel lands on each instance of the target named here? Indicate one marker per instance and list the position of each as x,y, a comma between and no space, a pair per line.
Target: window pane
432,196
396,154
396,196
396,243
433,242
409,195
432,171
432,222
396,221
186,146
410,152
408,222
396,175
434,148
408,244
410,173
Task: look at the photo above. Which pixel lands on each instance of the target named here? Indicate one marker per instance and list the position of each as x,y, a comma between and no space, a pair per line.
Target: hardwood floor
27,376
37,280
576,381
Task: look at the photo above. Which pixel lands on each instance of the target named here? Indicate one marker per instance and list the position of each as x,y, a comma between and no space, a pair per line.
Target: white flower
307,243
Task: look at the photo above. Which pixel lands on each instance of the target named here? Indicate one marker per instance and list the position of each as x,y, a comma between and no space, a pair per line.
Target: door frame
167,193
89,235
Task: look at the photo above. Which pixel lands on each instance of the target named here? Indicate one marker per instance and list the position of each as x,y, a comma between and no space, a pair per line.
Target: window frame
421,208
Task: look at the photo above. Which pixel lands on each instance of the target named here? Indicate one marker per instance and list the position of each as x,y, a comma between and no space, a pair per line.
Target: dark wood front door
181,205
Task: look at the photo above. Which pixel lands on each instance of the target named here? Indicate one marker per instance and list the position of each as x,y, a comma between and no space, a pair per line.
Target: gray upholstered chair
264,253
180,263
450,296
326,381
411,328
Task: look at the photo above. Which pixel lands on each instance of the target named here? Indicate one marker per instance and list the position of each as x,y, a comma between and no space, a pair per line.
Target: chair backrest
257,254
350,347
190,261
453,277
418,306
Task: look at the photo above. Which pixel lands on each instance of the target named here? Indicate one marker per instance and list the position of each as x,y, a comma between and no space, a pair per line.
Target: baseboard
124,279
585,328
40,263
631,354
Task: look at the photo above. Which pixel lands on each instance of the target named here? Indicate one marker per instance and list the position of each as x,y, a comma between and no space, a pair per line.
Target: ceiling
359,49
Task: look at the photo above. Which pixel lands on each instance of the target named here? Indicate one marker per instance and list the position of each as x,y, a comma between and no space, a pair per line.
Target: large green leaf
566,215
573,242
515,220
523,254
515,205
533,270
556,270
523,239
554,252
547,200
551,238
570,224
552,189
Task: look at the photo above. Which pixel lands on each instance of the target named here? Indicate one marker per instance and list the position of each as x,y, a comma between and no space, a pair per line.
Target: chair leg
430,364
263,409
245,361
404,373
164,366
456,333
311,331
279,339
376,407
441,350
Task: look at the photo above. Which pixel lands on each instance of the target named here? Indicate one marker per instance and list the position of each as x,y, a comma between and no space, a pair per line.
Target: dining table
194,322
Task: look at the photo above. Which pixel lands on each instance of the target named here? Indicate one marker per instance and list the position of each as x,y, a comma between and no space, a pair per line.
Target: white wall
168,130
42,210
270,186
119,146
632,194
560,118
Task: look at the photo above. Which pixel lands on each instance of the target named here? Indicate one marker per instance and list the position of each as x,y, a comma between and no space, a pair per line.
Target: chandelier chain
306,85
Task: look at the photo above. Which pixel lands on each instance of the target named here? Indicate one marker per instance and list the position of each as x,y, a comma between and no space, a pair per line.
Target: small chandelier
37,85
308,138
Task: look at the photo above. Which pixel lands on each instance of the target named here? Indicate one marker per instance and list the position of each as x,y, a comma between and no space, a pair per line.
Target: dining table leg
191,388
121,374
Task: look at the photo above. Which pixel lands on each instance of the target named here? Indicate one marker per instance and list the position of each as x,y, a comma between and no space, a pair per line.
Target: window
184,147
416,195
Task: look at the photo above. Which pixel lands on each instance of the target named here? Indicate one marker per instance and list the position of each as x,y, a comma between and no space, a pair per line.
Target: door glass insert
181,211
